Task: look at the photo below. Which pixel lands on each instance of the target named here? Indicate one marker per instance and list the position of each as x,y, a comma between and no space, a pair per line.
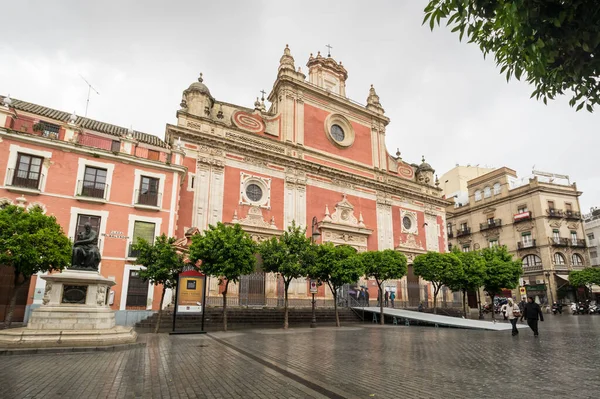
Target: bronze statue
86,255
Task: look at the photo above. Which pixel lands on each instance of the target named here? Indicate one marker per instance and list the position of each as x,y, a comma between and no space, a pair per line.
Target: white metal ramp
440,320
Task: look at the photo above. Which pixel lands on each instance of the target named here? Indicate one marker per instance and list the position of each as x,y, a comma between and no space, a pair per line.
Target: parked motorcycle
580,308
556,308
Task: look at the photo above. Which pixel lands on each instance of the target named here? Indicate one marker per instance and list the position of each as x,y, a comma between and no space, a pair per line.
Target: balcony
579,243
147,200
533,268
490,224
91,191
558,241
526,244
521,217
24,182
450,234
573,215
463,232
132,253
561,268
555,213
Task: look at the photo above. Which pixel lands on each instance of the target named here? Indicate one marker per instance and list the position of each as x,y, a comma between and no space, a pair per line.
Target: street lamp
548,286
313,238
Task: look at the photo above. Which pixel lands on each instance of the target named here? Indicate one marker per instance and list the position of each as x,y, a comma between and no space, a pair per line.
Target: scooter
556,308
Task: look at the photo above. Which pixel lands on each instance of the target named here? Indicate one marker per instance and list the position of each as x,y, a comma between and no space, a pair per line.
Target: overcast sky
444,100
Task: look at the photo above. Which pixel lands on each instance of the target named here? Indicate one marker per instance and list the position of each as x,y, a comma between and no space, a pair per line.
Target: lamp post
548,286
313,238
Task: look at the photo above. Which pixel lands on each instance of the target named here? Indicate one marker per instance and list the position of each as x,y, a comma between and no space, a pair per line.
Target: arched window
496,188
487,192
577,260
478,195
532,262
559,258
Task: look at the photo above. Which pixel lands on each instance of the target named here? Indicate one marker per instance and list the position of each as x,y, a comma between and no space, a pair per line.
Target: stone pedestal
74,312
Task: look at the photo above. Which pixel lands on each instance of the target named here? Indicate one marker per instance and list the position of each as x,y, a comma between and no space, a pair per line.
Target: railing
561,268
533,268
132,253
521,217
92,189
578,267
17,178
555,213
558,241
526,244
463,232
147,198
490,224
573,215
577,242
450,234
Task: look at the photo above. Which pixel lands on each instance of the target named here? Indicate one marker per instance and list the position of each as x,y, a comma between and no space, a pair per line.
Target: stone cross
329,47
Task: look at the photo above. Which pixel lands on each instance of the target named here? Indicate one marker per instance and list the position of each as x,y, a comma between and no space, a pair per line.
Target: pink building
125,183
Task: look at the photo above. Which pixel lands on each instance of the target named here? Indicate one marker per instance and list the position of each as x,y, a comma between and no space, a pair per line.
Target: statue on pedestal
86,255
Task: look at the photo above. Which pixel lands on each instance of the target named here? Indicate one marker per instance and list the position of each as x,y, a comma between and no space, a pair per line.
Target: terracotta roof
85,123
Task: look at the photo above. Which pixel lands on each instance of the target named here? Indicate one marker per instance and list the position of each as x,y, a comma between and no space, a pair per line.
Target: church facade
312,155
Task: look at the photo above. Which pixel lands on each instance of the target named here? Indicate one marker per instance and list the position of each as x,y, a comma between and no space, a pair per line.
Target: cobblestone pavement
354,362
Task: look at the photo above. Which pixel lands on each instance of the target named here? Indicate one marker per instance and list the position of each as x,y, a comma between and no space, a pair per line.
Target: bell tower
328,74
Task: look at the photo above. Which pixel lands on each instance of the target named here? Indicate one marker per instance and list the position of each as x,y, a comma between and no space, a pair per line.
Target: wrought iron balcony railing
555,213
92,189
526,244
463,232
559,241
24,179
490,224
146,198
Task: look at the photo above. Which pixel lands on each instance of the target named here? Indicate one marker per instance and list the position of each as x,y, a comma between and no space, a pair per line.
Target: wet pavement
361,361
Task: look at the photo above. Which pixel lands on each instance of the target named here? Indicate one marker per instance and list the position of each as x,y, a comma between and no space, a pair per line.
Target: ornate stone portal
74,312
343,228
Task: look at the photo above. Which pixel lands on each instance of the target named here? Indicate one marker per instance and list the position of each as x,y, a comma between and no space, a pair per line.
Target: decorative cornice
265,148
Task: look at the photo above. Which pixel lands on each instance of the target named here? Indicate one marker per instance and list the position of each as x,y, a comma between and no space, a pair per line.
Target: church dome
200,87
425,167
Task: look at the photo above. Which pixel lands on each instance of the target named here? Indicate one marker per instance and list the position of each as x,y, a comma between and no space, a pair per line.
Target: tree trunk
285,305
337,316
13,299
381,321
465,303
225,306
492,296
160,310
435,292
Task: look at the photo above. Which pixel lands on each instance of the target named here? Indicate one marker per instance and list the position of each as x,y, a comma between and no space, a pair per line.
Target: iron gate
252,289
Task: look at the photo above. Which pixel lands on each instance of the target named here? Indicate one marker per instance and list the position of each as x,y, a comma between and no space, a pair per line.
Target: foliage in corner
439,269
555,44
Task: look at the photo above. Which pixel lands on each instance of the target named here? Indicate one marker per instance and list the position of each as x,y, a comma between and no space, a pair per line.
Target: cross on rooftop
329,47
263,94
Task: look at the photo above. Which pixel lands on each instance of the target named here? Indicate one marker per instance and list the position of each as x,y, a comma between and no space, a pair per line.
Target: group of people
362,296
530,311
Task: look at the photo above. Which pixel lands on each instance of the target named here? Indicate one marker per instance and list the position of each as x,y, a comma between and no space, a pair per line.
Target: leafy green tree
226,252
30,242
437,268
471,278
554,43
585,278
335,266
383,265
287,255
162,264
501,271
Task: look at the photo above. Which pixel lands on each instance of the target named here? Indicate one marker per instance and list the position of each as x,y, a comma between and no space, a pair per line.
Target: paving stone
354,362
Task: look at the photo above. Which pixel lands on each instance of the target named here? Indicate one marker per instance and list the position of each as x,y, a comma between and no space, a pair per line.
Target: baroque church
314,157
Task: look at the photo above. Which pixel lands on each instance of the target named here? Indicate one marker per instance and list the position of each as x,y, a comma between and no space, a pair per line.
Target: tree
437,268
383,265
162,264
501,271
335,266
585,278
287,255
471,278
555,43
30,242
226,252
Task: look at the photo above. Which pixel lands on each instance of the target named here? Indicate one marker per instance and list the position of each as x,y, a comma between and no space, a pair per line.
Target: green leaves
161,260
225,251
384,265
32,242
336,266
501,271
555,45
584,278
438,268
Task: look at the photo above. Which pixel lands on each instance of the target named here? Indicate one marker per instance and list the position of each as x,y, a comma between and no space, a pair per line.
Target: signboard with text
190,289
313,287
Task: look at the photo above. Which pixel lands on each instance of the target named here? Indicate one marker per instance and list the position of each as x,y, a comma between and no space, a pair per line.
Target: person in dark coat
532,313
386,298
367,297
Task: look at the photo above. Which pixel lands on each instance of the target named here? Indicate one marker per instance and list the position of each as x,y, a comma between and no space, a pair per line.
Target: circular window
254,192
406,222
337,133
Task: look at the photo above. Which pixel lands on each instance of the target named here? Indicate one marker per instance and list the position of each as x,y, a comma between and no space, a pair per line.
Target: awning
563,276
596,289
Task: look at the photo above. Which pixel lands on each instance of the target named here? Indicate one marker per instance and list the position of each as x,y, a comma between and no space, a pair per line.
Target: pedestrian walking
392,297
386,298
532,313
367,297
513,313
361,296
